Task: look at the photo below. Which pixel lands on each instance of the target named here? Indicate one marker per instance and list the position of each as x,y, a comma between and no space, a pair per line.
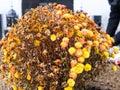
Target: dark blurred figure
114,20
28,4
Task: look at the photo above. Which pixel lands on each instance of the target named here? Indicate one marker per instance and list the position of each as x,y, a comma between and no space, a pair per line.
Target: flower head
71,50
40,88
88,67
72,75
28,77
78,68
36,42
53,37
114,68
68,88
70,82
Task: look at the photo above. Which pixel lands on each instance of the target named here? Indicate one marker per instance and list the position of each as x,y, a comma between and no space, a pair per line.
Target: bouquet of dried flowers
52,48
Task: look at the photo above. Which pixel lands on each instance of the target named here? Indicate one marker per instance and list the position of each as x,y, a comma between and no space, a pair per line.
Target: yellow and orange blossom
72,75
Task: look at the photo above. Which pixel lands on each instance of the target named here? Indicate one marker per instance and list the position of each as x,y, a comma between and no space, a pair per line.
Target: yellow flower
45,25
112,55
14,56
20,88
17,41
70,82
5,52
59,34
114,68
86,54
59,12
68,88
71,50
40,88
78,45
82,15
107,36
95,43
17,75
78,68
88,67
63,44
36,42
90,33
80,65
14,87
76,27
78,33
65,39
28,77
85,50
97,50
6,59
115,49
106,54
53,37
81,59
67,16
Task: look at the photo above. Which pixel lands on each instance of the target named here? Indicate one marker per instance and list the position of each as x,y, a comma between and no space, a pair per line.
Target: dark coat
114,2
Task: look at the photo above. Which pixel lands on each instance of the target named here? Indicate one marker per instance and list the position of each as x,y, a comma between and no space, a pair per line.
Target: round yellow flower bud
68,88
115,49
78,45
28,77
53,37
70,82
86,54
81,59
88,67
106,54
82,15
71,50
114,68
40,88
36,42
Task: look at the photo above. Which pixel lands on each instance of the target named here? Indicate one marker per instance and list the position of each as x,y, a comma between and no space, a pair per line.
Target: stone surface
106,80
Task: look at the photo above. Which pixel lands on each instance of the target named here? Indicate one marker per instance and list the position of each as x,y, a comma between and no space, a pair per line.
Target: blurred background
10,10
